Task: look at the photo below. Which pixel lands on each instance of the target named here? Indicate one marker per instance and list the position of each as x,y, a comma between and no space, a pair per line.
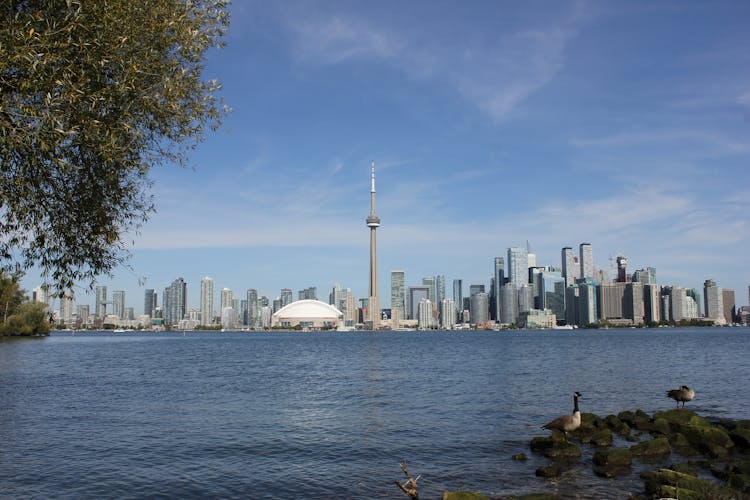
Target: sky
491,123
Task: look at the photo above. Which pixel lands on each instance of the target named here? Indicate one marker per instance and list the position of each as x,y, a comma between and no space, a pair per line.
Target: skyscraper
518,265
429,282
253,308
499,275
713,302
175,302
286,297
570,268
397,294
622,269
149,302
101,302
118,303
227,299
207,300
414,296
66,307
458,297
586,260
373,222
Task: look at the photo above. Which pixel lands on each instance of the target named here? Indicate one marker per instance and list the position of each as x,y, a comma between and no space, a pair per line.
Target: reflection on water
290,415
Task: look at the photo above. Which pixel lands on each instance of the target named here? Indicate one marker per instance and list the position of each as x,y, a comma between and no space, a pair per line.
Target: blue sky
624,124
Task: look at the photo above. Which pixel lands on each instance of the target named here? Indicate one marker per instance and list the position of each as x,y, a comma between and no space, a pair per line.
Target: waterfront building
429,282
646,276
586,259
479,308
538,318
621,302
497,283
727,299
118,304
175,302
286,297
509,300
713,302
588,308
149,302
67,304
265,316
227,298
100,309
425,315
207,301
570,267
373,222
414,296
572,305
228,318
253,308
552,293
397,296
458,297
518,265
447,314
129,314
651,302
308,313
83,316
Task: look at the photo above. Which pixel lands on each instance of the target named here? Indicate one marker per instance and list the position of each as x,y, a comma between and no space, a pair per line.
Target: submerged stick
410,486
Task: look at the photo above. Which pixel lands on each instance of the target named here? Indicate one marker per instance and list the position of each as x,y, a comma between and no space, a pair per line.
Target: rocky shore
707,459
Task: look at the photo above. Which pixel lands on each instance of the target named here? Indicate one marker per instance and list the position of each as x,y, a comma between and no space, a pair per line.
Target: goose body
681,395
567,423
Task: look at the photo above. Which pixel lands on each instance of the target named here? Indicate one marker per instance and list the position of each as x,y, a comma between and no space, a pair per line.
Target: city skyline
626,126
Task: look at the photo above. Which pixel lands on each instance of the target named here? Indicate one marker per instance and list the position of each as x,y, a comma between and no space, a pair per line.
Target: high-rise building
373,222
100,309
207,301
286,298
518,265
227,299
447,314
149,302
474,289
586,259
479,308
429,282
397,293
497,284
82,315
118,303
42,295
727,298
571,270
253,308
440,288
458,297
175,302
646,276
713,302
414,295
552,293
622,271
67,304
309,293
651,309
425,314
509,300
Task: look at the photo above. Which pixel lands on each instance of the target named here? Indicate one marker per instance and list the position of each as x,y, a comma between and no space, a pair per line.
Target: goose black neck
575,404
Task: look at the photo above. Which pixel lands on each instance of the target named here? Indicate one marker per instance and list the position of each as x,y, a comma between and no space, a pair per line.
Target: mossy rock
464,495
613,457
549,471
742,424
740,437
624,431
628,417
540,444
591,419
563,450
520,456
685,469
661,426
602,438
670,483
699,421
740,482
711,441
676,417
612,422
651,448
585,431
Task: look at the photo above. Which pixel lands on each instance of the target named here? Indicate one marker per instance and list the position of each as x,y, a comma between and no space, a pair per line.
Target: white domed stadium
307,314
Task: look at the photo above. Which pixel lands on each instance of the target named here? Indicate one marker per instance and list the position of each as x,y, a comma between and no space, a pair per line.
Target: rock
673,484
584,432
661,426
520,456
611,471
563,450
685,469
612,422
740,482
699,421
602,438
613,457
540,444
740,437
627,417
676,417
652,447
711,441
549,471
591,419
464,495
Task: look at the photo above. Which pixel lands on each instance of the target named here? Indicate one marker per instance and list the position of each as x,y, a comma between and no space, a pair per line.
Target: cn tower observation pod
308,314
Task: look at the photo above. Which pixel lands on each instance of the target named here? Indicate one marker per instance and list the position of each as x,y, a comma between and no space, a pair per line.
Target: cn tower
373,222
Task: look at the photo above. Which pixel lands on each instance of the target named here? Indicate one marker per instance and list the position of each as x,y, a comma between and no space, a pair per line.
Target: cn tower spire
373,222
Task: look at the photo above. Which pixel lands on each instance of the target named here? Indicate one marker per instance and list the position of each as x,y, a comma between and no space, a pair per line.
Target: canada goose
567,423
684,394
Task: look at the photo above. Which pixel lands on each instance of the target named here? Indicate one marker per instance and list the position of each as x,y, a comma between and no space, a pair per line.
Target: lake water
331,415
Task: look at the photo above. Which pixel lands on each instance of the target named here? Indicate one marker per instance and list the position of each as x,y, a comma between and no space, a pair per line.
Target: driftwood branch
410,486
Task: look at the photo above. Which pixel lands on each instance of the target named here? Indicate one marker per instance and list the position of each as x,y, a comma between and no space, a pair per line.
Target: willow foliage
93,95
